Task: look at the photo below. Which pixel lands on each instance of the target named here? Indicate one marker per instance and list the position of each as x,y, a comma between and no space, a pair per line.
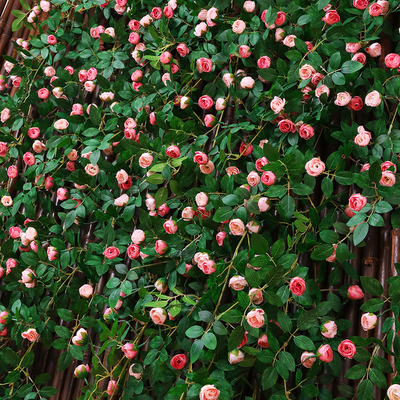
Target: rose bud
237,282
82,371
308,359
329,329
235,356
158,315
220,236
325,353
256,296
368,321
81,338
121,201
161,285
161,247
86,291
129,350
5,317
173,152
355,292
112,388
245,149
210,120
137,375
178,361
200,158
393,392
111,252
188,213
332,258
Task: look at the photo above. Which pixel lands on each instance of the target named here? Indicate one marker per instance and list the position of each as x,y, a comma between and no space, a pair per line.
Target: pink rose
315,167
212,15
264,62
375,10
182,49
277,104
61,124
325,353
112,387
207,266
263,204
306,71
52,253
247,83
363,137
200,29
297,286
368,321
173,152
331,17
3,149
51,39
43,93
263,341
373,99
133,251
5,115
7,201
357,202
205,102
81,371
253,179
210,120
204,64
12,171
249,6
244,51
220,236
158,315
286,125
289,40
145,160
29,158
360,4
342,99
260,163
161,247
353,47
146,21
237,227
393,392
209,392
15,233
163,210
268,178
375,49
360,57
232,171
121,201
92,170
322,89
111,252
129,350
201,199
188,213
235,356
388,164
122,176
329,329
170,226
86,291
308,359
347,349
256,296
228,79
388,179
207,168
138,236
237,282
137,375
255,318
30,334
238,26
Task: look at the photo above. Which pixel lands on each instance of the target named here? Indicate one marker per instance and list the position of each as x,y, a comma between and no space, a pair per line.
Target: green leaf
95,115
269,377
270,152
210,341
48,391
349,67
194,331
258,243
223,214
382,364
288,360
161,196
195,350
360,233
371,285
372,305
307,319
304,342
322,252
288,206
338,79
329,236
365,390
377,378
235,338
284,321
356,372
327,186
